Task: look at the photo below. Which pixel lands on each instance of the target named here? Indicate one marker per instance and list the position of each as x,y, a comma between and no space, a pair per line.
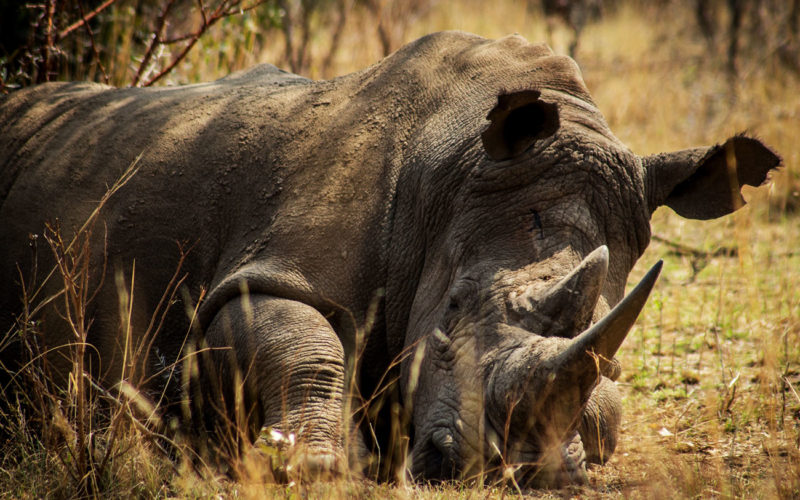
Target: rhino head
515,308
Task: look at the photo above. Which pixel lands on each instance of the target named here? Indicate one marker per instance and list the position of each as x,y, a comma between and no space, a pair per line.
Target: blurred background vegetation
711,371
129,42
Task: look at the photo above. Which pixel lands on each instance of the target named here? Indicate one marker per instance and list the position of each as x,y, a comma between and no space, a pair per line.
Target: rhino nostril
453,305
432,462
442,441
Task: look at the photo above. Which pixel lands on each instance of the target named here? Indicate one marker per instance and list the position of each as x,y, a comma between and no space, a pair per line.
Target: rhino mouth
566,467
436,460
437,456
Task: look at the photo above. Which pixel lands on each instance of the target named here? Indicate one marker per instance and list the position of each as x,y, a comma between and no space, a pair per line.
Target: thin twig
44,75
178,39
162,19
685,250
162,308
698,259
791,388
221,12
177,59
93,44
202,7
85,19
126,176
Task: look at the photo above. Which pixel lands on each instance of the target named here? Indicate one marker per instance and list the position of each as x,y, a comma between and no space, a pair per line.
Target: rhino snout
548,393
522,395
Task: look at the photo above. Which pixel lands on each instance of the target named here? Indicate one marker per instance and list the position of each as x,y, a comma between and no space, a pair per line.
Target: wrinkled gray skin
469,186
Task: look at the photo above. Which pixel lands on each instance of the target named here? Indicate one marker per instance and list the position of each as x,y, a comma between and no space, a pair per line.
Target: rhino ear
705,183
517,121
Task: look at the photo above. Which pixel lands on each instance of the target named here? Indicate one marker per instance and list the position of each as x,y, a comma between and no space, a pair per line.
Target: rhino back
228,173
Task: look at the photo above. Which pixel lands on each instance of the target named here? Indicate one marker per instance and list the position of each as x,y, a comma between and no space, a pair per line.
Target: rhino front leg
600,422
289,364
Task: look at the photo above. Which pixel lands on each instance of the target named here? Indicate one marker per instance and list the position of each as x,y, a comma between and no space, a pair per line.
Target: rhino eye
460,293
536,224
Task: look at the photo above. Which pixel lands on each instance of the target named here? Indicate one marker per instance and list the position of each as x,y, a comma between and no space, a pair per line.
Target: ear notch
705,183
517,121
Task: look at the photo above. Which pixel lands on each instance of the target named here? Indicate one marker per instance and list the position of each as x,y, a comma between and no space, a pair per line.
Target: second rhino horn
566,309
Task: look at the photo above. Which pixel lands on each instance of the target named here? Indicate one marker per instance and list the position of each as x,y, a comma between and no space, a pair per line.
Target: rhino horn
576,295
567,308
606,336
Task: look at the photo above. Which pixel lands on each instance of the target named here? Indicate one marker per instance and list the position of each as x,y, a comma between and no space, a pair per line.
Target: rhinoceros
459,213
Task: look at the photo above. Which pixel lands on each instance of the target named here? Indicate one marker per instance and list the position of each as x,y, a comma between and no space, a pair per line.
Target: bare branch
44,73
222,11
202,11
178,39
162,19
85,19
177,58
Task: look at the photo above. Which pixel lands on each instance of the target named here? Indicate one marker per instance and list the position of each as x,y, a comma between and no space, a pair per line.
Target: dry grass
712,369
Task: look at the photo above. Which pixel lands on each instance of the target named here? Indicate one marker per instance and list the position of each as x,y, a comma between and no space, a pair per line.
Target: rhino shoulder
264,74
24,113
30,103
